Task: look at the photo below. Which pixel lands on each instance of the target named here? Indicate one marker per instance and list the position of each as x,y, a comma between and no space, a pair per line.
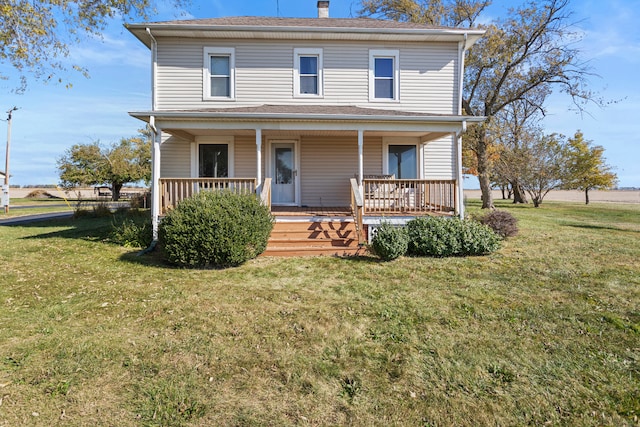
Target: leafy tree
543,163
530,49
116,165
587,169
35,35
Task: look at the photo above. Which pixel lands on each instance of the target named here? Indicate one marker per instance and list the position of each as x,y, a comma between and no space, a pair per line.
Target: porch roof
306,118
305,113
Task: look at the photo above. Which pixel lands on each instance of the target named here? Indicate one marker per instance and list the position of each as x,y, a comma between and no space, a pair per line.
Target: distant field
546,331
612,196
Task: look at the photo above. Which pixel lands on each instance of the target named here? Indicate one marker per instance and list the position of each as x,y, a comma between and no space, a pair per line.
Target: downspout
459,177
462,47
155,150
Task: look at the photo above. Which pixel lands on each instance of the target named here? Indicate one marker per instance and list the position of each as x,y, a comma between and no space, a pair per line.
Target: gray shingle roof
256,21
329,110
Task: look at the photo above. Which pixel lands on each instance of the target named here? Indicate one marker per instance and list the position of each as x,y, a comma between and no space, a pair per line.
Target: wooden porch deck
322,211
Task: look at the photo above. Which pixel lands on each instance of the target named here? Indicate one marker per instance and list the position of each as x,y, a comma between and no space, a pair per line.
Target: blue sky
51,118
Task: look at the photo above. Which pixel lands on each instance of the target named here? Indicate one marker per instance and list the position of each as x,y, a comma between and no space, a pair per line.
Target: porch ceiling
190,135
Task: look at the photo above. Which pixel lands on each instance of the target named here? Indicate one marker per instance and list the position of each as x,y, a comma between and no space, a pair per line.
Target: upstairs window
219,73
307,80
384,75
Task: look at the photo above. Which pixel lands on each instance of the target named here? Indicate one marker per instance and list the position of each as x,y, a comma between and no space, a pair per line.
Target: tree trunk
519,196
536,202
586,196
483,170
115,191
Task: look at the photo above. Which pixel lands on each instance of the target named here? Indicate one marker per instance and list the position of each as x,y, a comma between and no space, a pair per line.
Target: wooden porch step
305,238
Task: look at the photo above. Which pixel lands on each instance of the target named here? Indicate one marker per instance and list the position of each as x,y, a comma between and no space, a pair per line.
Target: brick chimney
323,9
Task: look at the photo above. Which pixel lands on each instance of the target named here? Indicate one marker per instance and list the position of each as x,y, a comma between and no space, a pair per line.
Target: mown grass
545,331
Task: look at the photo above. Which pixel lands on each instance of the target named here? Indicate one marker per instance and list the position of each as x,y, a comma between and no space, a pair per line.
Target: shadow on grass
91,229
599,227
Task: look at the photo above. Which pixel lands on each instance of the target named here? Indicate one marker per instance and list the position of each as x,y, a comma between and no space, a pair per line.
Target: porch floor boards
289,211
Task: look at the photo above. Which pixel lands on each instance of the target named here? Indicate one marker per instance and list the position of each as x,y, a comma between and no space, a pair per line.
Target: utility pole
5,187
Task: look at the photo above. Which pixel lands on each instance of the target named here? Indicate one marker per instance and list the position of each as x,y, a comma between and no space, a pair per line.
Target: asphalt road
26,219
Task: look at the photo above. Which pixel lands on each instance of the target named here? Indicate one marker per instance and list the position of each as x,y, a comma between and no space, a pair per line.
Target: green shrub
441,237
218,229
502,222
132,229
389,242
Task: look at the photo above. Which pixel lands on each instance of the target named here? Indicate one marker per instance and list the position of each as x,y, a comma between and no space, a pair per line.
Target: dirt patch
40,194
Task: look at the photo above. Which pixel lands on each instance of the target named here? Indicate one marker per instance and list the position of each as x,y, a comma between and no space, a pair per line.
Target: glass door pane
403,161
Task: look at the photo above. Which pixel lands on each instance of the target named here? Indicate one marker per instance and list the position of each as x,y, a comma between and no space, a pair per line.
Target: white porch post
258,161
360,158
459,178
155,182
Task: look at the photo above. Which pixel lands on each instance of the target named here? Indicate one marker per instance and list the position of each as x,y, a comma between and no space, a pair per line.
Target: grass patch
546,330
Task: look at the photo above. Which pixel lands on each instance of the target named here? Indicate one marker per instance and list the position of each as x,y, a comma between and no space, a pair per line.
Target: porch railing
393,196
173,190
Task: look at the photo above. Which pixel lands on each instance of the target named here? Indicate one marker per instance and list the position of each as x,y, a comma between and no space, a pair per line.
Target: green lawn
545,331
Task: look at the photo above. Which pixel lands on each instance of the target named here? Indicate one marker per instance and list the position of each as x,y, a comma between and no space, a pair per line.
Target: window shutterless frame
308,73
219,74
384,75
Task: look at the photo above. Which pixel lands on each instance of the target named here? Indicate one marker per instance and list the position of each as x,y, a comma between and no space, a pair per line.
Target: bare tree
532,47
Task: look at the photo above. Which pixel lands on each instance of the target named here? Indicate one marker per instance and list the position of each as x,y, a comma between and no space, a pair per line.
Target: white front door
284,172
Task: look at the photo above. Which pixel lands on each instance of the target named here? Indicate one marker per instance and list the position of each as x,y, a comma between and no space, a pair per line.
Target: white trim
155,182
384,53
228,140
206,75
387,141
297,53
296,175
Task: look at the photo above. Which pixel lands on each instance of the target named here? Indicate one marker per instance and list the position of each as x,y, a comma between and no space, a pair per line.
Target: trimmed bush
217,229
502,222
389,242
441,237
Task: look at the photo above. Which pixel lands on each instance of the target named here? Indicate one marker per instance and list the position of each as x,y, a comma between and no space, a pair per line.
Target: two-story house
359,116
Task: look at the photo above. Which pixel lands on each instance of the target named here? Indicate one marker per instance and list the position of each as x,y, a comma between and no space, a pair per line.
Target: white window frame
206,72
297,53
384,53
222,140
386,142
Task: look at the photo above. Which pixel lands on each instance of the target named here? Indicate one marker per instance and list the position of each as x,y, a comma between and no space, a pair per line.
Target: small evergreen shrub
441,237
502,222
390,242
218,229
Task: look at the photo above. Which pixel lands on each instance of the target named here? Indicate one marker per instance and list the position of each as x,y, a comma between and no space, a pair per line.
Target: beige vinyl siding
264,75
440,159
327,165
245,157
175,158
427,78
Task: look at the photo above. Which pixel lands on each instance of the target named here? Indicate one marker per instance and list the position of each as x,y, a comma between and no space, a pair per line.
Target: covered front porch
361,163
